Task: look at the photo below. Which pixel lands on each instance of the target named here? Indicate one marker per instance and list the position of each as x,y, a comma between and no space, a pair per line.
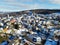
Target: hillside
39,11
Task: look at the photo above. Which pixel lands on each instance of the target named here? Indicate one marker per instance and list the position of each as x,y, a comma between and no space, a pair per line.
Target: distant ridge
39,11
44,11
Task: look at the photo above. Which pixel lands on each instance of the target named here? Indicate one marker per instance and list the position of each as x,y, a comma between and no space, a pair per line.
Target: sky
20,5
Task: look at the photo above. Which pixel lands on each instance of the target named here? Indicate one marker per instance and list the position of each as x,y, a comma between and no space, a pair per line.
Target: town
30,29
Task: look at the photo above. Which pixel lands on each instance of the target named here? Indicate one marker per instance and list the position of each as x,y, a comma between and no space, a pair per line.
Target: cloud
27,6
19,0
19,5
41,0
23,5
8,9
26,0
9,0
55,1
14,5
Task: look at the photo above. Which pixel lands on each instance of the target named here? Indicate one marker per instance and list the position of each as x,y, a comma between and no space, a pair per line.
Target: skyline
20,5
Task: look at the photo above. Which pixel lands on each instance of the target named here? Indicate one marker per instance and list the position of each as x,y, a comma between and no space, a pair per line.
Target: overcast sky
19,5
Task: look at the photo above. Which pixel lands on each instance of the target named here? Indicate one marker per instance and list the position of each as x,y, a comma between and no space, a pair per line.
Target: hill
38,11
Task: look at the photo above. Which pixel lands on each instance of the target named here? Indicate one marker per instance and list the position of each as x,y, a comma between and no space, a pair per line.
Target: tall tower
8,15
